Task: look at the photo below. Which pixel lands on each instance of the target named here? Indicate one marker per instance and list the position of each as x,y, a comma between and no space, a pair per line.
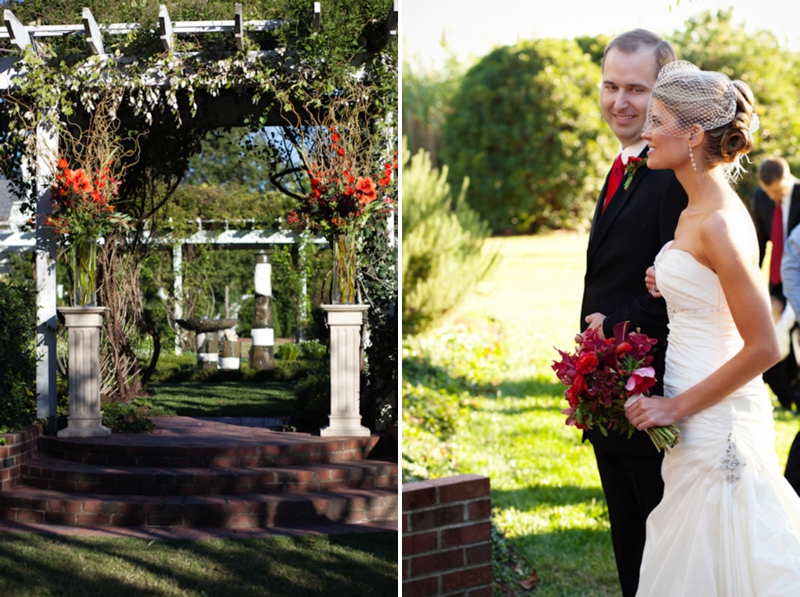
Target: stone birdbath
208,342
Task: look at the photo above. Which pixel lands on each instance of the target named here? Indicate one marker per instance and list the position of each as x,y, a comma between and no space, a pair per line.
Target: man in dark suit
636,215
776,212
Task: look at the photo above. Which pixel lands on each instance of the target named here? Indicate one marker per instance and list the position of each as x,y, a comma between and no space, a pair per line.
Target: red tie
777,245
617,171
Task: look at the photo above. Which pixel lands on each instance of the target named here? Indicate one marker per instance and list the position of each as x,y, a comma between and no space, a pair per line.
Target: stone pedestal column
344,322
83,325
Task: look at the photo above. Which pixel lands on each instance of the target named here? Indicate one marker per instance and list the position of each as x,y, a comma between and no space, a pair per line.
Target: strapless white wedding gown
729,523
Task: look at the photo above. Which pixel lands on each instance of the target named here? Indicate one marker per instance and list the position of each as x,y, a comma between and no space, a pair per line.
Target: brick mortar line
409,557
465,590
439,505
439,573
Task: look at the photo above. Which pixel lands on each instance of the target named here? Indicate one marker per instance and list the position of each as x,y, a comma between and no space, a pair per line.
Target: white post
46,319
345,322
262,351
177,289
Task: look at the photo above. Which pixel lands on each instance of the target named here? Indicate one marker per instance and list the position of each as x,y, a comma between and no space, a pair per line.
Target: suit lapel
603,219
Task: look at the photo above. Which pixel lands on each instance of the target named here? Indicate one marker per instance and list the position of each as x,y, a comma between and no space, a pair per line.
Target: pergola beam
93,36
165,27
15,30
238,27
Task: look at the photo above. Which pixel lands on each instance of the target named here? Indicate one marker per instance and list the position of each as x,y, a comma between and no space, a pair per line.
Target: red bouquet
601,375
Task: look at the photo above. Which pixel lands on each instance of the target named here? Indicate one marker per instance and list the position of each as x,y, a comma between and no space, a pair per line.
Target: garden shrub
313,350
288,352
122,417
313,403
443,244
525,127
18,360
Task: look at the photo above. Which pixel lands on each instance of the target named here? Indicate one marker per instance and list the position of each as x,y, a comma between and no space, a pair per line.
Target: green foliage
442,372
443,256
18,360
312,350
715,41
312,402
525,128
123,417
427,97
594,46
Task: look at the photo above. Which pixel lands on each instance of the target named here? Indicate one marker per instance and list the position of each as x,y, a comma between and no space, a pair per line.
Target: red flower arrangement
341,200
601,375
82,208
82,213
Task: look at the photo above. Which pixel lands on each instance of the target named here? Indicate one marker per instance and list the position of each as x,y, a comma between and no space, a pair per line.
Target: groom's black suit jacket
623,243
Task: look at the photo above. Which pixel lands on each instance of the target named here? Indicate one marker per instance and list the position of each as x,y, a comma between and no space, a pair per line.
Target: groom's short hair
771,169
630,41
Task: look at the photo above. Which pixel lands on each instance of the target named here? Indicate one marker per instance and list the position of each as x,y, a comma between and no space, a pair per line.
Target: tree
427,97
526,129
443,244
714,41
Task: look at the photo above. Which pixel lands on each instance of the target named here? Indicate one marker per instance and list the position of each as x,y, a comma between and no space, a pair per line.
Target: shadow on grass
229,399
363,564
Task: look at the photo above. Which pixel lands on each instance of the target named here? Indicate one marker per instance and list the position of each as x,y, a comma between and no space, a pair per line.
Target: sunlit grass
546,492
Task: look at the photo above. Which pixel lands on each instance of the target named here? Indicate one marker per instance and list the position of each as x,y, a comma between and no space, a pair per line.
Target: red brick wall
447,537
20,447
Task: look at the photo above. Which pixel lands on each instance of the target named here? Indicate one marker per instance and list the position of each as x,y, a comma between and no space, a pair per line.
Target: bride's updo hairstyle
721,107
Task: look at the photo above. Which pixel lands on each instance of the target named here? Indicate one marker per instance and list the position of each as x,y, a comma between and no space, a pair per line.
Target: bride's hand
651,411
650,281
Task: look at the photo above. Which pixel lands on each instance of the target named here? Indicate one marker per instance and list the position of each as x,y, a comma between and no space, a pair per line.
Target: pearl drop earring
691,155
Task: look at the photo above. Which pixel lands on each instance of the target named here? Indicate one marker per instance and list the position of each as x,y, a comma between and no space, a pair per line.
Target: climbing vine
166,99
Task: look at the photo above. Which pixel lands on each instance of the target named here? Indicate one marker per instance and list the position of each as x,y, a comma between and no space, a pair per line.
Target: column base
345,427
84,427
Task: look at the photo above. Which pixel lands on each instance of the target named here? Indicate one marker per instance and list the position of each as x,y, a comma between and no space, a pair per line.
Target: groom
636,214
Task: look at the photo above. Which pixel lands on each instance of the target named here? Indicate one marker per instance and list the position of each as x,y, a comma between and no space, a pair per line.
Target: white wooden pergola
229,110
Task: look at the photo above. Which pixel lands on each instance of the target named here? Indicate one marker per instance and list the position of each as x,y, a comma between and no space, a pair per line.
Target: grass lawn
226,399
333,566
546,492
363,564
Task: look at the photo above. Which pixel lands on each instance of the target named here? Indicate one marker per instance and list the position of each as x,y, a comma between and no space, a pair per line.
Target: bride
729,523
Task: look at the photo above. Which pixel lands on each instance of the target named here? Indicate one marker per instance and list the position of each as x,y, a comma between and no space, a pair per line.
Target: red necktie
777,244
617,171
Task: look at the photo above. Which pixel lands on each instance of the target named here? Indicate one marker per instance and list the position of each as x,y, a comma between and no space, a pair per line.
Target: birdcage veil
693,97
685,97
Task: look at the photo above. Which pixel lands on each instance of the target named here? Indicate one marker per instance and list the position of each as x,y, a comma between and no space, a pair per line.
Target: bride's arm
749,305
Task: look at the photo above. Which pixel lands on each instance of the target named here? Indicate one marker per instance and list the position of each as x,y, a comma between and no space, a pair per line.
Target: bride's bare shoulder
729,231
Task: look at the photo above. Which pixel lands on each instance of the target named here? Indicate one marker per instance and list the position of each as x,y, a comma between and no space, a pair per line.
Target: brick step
259,449
30,505
46,472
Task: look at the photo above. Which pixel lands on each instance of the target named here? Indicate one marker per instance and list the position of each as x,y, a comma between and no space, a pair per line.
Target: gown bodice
702,333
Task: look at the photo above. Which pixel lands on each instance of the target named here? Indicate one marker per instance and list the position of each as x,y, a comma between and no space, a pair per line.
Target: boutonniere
630,169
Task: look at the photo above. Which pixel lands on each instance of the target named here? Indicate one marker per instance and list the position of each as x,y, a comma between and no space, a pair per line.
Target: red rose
587,363
623,348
